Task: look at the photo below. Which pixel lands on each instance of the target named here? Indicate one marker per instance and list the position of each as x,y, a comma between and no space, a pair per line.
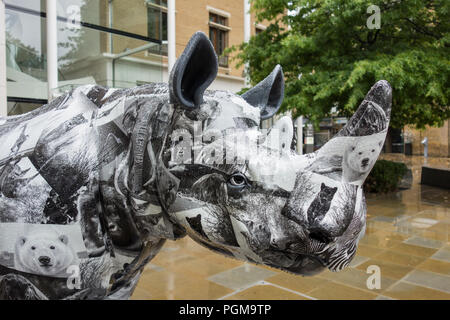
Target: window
218,19
218,34
157,23
162,3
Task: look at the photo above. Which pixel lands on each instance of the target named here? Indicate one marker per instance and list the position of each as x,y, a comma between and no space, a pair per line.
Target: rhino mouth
303,264
45,265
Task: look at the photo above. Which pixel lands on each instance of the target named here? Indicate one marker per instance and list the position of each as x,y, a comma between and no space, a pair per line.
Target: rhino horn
367,126
373,113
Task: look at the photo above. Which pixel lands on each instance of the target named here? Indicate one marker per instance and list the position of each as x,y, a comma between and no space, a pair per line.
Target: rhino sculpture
93,183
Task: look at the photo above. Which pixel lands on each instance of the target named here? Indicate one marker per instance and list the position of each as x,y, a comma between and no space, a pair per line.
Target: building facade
438,140
114,43
125,43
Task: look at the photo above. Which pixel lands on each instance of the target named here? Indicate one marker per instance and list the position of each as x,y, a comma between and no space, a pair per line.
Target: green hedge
385,176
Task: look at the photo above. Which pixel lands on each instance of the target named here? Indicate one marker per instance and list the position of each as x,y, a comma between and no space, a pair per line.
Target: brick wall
438,140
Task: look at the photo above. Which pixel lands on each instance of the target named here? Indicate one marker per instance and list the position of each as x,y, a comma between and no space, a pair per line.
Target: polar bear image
45,253
360,156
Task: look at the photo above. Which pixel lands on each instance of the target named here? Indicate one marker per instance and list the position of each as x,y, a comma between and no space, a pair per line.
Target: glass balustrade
109,43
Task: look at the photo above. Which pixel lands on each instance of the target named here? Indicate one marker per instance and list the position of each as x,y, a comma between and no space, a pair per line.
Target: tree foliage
331,58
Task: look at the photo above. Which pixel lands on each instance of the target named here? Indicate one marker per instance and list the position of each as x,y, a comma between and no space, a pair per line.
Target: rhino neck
137,179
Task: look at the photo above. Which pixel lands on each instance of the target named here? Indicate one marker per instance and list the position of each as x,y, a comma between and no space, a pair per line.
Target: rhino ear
268,94
193,72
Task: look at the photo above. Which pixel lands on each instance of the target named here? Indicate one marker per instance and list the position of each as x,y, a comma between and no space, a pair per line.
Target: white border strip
3,96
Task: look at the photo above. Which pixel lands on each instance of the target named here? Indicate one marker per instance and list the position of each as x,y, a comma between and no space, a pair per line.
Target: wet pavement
406,240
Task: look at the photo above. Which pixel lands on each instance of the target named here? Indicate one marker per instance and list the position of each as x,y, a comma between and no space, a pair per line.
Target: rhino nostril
320,236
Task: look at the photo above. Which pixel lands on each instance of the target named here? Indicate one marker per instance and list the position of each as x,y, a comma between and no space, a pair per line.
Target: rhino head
243,192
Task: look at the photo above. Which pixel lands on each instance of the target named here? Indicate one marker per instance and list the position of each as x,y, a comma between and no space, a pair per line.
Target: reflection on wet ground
407,237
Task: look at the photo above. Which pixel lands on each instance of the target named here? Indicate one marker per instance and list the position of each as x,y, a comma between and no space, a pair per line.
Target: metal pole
171,36
52,49
3,99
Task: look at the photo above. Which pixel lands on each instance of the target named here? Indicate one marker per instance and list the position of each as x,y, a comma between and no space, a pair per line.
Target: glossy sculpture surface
93,183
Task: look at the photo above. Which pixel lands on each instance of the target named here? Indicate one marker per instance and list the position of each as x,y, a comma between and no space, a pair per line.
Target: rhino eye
238,180
33,248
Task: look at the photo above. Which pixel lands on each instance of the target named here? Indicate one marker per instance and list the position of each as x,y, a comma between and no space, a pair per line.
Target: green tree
331,57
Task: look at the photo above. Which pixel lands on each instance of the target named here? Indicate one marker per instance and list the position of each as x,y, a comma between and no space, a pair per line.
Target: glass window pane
157,24
87,57
164,26
153,23
16,108
36,5
128,16
162,3
26,67
212,37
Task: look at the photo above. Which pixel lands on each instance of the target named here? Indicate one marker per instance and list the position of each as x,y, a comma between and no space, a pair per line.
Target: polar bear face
362,154
44,253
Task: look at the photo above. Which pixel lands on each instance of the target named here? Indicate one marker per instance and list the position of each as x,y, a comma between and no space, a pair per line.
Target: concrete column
171,35
247,34
300,135
309,138
52,49
247,21
3,103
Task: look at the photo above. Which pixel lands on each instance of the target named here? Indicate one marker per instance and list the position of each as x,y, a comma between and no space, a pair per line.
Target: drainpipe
171,36
3,103
52,49
110,24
